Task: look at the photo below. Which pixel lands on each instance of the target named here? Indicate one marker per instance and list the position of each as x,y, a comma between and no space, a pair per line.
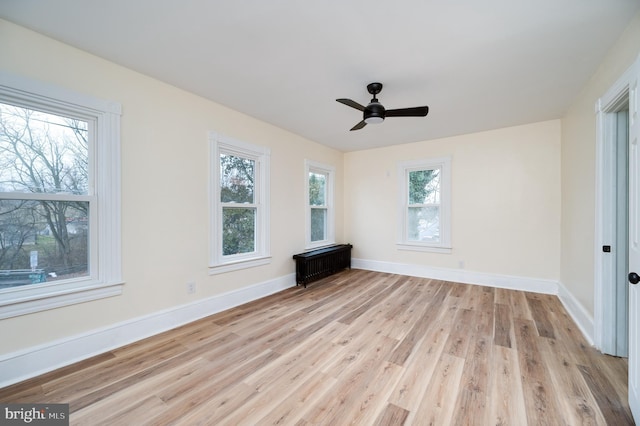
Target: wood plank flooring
361,348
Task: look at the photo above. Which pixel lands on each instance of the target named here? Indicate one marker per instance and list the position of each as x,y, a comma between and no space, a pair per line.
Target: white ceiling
478,65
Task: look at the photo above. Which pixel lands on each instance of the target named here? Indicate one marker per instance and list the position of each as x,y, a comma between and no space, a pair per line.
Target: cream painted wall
578,169
505,204
510,188
165,171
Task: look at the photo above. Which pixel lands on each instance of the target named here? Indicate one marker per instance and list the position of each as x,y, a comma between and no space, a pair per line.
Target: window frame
404,167
218,262
105,258
329,171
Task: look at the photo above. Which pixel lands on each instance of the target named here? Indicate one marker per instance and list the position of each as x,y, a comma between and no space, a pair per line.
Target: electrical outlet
191,287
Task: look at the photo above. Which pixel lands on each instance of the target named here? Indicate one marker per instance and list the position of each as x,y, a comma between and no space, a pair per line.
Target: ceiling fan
376,113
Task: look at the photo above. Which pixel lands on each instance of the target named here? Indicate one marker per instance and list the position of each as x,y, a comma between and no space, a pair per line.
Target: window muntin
423,212
239,222
60,188
42,154
237,177
318,205
320,217
425,205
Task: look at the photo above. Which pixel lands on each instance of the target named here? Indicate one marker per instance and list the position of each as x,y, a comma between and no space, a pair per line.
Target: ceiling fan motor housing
374,113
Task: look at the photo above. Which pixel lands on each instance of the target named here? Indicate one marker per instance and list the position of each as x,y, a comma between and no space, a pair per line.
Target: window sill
35,298
319,245
240,264
424,248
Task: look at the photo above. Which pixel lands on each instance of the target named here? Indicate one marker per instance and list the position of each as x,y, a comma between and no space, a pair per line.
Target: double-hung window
320,214
240,204
59,197
425,200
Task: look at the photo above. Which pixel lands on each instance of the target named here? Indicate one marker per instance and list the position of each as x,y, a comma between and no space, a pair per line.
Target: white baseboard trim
464,276
31,362
574,308
18,366
582,318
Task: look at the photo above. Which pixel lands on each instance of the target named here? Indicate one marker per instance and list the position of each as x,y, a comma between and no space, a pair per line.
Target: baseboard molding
18,366
464,276
574,308
31,362
582,318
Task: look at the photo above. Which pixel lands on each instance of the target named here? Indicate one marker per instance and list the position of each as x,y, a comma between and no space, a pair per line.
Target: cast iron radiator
315,264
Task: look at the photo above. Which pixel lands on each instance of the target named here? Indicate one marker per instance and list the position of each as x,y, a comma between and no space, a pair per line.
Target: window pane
317,189
42,241
236,179
238,230
318,224
424,186
42,153
424,224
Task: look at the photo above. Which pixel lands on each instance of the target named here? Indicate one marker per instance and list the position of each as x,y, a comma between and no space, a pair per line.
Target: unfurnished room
319,213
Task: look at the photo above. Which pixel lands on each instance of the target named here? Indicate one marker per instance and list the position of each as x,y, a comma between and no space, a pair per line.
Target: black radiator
315,264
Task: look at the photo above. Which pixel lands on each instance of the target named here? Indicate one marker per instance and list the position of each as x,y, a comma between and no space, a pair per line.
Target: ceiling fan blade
359,126
352,104
408,112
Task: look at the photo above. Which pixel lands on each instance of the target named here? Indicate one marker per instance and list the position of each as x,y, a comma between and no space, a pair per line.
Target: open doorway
621,241
617,332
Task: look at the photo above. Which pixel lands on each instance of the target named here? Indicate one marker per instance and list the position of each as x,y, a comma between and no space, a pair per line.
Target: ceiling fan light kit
376,113
374,119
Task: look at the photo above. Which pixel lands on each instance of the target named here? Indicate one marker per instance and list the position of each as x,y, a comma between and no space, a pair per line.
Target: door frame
605,303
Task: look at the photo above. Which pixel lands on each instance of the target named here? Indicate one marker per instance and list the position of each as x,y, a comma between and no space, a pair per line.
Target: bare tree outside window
44,189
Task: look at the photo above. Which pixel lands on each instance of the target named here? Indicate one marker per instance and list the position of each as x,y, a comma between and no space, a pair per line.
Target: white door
634,246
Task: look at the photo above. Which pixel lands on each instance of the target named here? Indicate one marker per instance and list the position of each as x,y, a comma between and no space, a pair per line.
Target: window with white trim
240,204
425,200
320,217
59,197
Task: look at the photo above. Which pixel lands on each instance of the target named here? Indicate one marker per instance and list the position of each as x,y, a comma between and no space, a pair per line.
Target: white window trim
444,245
218,263
106,265
329,171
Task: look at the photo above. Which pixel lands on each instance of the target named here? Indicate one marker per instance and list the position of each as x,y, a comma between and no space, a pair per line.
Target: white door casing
634,243
607,331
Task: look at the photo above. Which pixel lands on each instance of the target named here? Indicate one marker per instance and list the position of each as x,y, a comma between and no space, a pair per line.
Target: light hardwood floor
359,347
